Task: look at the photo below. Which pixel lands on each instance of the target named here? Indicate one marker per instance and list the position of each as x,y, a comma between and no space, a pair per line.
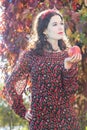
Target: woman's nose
61,28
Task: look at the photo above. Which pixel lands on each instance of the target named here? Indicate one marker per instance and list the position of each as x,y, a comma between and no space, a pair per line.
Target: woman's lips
60,32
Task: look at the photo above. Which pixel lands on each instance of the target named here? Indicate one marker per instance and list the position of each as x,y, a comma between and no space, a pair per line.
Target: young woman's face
55,29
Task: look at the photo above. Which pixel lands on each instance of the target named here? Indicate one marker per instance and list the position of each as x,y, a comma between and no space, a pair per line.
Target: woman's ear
45,32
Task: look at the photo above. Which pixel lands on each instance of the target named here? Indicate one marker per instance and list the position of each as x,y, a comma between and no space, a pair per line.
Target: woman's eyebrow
57,22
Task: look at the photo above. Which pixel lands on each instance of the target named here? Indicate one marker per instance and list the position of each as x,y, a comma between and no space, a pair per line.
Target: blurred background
16,18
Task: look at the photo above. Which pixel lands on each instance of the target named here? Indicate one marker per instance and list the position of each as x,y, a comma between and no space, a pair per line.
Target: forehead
55,18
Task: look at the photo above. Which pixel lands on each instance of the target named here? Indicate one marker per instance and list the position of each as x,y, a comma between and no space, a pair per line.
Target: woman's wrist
67,64
28,115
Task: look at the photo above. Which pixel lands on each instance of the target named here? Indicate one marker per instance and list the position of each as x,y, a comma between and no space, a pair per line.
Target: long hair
40,24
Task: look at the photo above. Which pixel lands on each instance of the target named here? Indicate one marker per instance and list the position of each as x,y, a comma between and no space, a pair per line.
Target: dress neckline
54,54
46,51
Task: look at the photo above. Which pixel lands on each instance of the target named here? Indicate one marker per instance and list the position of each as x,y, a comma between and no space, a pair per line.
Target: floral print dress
52,86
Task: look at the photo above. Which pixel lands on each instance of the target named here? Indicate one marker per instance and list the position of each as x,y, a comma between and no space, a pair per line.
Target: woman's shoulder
65,52
26,55
28,52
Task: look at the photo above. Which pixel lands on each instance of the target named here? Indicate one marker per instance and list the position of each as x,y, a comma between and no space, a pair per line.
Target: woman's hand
68,62
28,115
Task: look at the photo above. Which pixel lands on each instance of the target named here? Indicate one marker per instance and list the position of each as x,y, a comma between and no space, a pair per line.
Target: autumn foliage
17,27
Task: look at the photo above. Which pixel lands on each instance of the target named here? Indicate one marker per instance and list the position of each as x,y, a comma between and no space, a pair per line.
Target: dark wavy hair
40,24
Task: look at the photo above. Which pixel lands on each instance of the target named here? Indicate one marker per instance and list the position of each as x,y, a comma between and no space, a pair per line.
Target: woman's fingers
75,58
68,62
28,116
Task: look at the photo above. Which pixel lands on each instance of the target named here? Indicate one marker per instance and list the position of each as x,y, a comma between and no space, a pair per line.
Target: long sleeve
69,78
16,84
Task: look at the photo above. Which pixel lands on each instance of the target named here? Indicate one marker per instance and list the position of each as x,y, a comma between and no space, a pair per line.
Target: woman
53,75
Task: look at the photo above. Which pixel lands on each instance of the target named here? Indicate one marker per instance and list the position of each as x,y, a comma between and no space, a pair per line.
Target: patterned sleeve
16,84
69,78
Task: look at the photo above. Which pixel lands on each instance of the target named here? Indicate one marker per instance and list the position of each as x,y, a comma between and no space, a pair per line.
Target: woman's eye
62,23
54,24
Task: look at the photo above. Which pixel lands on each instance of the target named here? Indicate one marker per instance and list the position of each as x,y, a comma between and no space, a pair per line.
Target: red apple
74,50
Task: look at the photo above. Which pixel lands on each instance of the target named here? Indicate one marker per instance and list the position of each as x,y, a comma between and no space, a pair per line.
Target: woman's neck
54,44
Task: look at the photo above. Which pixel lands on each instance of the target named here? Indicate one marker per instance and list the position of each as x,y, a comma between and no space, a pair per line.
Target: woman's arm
69,73
16,84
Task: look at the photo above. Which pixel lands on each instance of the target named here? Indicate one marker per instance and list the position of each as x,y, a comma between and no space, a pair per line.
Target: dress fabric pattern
52,87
